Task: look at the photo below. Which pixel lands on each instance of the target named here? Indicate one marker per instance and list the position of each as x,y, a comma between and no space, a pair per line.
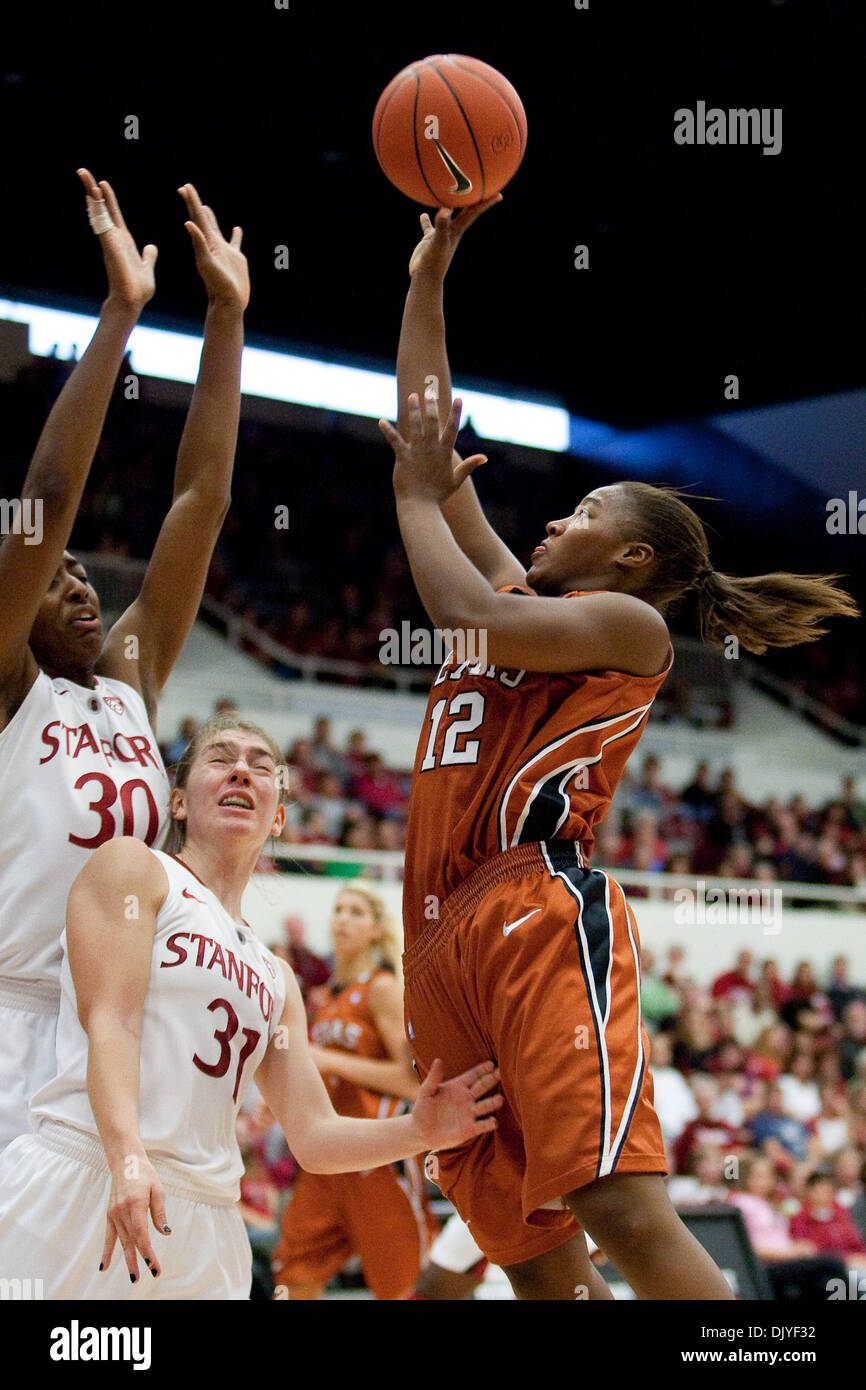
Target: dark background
703,261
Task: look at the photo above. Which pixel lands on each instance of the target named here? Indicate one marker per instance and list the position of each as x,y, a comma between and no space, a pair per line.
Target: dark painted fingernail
155,1273
147,1262
167,1230
132,1278
101,1266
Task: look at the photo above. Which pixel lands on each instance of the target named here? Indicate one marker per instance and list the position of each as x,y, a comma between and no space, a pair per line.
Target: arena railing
658,885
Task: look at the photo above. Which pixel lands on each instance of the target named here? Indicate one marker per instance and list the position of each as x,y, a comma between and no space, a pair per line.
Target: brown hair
761,611
175,835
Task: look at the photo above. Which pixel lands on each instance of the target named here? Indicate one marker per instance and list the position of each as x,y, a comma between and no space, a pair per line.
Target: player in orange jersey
359,1046
515,945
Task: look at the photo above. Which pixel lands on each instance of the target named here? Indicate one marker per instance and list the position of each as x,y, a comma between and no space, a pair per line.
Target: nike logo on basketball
508,929
188,894
461,183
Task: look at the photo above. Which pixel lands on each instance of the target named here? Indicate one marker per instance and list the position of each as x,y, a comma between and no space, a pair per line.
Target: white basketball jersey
214,1001
77,767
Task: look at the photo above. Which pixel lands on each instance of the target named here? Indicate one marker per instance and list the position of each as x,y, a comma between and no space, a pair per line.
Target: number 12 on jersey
471,700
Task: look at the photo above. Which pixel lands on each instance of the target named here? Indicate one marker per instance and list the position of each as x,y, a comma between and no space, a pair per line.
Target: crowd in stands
331,583
760,1089
349,797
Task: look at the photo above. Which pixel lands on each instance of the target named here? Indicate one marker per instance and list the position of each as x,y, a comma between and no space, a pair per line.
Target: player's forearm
346,1145
453,592
69,439
113,1065
385,1075
206,454
421,352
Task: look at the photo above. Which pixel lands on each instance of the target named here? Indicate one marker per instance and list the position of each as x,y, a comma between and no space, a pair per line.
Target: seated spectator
698,796
323,754
840,991
827,1225
300,758
852,1044
749,1017
659,1003
674,1103
706,1130
311,971
800,1095
833,1124
737,983
770,1051
782,1138
703,1179
769,972
331,802
807,1007
187,730
697,1034
356,754
377,788
768,1227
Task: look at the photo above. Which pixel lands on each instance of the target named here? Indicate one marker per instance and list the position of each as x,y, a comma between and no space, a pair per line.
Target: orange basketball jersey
346,1022
509,757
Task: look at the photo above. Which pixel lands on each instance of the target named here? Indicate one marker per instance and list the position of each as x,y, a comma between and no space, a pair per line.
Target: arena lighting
280,376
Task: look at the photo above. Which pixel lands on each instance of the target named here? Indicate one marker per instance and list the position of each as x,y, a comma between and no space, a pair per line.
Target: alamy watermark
22,516
422,647
736,126
706,907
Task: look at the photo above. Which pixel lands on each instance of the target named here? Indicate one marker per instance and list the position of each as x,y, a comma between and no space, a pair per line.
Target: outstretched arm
165,610
422,355
446,1113
596,632
59,468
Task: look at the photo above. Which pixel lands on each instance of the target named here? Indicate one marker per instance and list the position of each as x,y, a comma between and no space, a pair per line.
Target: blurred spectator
782,1138
675,1104
735,984
187,730
826,1224
311,971
705,1129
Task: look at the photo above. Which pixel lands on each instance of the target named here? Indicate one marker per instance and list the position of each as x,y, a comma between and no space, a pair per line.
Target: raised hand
220,263
131,281
423,463
448,1113
440,239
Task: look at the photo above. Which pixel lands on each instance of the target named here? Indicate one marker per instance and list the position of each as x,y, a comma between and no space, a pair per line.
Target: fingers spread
485,1072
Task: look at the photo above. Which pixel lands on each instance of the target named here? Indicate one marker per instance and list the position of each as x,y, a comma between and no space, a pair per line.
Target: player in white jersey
170,1005
79,762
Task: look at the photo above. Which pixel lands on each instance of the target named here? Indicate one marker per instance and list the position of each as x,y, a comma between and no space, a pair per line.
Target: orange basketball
449,131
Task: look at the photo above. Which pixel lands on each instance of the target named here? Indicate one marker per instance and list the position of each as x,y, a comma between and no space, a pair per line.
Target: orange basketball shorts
534,962
380,1216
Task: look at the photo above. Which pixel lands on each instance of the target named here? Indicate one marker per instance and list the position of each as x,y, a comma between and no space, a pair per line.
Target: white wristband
98,215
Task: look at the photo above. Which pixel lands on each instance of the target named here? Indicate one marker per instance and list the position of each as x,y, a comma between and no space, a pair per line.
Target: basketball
449,131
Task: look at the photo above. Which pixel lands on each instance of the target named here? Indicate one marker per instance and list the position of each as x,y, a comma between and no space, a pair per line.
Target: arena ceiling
705,261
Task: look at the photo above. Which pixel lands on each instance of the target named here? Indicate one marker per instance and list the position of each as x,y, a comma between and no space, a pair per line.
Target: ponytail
761,611
769,610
